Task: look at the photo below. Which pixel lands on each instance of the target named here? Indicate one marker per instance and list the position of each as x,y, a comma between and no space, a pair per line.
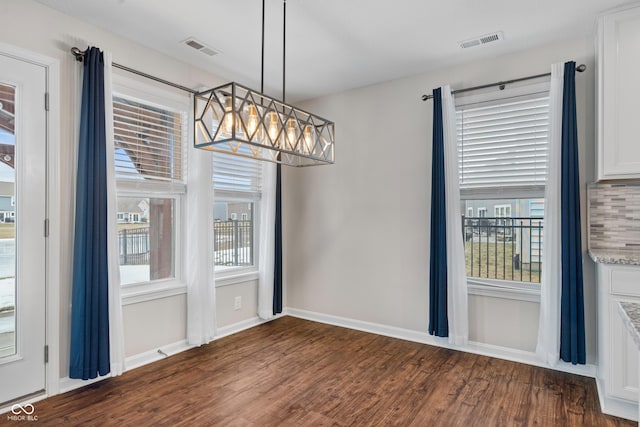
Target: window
237,183
502,158
502,211
150,130
469,212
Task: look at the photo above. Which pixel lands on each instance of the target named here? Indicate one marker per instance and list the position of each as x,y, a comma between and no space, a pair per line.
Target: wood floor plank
293,372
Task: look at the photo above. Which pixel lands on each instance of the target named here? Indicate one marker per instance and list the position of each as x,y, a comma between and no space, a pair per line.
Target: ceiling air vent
477,41
201,47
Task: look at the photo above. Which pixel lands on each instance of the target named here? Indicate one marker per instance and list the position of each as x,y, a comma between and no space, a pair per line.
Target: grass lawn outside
494,260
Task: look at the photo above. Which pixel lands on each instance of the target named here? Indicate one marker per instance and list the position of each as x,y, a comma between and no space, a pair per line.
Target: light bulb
272,128
227,124
252,122
309,139
291,133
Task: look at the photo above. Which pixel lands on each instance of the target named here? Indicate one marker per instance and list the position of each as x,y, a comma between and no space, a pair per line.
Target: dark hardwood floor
292,372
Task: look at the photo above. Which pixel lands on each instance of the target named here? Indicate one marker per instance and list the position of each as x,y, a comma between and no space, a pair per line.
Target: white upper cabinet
619,95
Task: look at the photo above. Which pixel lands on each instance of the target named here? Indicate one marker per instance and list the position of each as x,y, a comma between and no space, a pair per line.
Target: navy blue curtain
438,320
89,355
572,343
277,271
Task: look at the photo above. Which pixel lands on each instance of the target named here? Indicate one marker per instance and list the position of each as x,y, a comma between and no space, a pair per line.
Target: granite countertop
630,313
611,256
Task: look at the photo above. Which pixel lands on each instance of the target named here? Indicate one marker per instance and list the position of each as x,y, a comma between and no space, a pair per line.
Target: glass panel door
7,222
23,149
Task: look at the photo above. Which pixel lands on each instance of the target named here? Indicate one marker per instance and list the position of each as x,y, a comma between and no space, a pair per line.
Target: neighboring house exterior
225,211
7,203
527,234
133,211
508,208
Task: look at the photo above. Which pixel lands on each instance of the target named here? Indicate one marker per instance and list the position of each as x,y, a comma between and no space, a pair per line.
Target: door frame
53,242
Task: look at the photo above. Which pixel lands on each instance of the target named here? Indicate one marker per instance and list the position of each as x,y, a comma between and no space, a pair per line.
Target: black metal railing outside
233,242
504,248
134,246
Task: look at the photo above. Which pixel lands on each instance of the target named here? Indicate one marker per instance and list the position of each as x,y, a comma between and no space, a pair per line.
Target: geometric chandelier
237,120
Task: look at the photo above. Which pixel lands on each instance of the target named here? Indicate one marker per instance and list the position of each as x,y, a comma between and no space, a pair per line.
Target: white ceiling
333,45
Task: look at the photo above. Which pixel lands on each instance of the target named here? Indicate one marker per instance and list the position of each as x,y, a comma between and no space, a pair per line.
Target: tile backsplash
614,216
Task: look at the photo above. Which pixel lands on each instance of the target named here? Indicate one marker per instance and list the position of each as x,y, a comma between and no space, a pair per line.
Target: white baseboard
138,360
67,384
609,406
132,362
498,352
151,356
616,407
243,325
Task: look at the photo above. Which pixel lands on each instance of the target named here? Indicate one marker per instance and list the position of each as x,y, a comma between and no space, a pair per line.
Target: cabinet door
619,95
623,357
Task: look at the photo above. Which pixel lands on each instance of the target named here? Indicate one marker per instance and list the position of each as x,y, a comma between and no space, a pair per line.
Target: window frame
498,288
236,274
165,98
497,211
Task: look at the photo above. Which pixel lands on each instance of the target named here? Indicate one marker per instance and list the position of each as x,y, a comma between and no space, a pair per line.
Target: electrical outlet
237,303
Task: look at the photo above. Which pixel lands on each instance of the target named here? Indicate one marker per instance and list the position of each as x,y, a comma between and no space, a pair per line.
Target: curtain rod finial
580,68
77,53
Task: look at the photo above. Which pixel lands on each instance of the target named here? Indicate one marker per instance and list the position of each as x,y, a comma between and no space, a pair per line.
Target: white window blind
149,141
236,173
503,143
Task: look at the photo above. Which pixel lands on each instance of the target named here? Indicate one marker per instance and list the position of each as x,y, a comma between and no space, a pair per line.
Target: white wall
154,324
357,233
226,314
30,25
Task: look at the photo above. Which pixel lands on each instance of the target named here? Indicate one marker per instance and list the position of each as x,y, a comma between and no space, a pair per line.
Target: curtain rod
80,54
580,68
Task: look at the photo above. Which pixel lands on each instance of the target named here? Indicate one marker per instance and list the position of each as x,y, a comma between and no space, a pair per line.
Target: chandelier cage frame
237,120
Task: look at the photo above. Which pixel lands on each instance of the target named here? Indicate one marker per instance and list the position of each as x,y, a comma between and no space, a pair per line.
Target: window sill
142,292
229,278
504,289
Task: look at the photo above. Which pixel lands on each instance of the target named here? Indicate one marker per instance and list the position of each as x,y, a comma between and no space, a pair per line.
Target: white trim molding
138,360
520,356
616,407
518,293
234,328
68,384
53,262
132,362
133,294
234,277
